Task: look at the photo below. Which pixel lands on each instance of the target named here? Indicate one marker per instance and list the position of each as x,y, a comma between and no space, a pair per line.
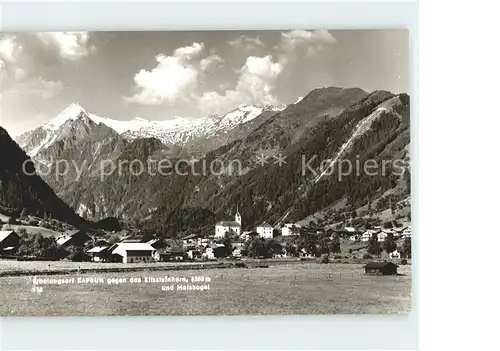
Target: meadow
289,289
31,229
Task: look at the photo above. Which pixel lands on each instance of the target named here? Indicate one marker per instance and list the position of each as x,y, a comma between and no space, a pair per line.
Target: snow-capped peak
175,130
72,112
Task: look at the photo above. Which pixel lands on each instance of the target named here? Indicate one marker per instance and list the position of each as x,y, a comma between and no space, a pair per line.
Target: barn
9,241
381,268
73,238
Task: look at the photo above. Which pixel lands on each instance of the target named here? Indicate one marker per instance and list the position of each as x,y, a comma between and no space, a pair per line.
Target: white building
368,234
290,229
134,252
406,233
224,227
395,254
265,231
381,236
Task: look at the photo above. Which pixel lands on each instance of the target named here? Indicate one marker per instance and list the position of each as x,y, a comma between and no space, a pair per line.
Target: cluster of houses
381,233
264,230
158,250
131,250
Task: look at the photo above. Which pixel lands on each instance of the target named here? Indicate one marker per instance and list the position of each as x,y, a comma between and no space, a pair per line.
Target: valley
331,127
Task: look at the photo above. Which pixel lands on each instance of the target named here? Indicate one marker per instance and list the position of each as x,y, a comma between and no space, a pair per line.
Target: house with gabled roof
290,229
73,238
9,241
99,253
132,252
367,235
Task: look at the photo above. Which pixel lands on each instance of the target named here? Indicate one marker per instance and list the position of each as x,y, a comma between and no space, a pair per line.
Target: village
291,241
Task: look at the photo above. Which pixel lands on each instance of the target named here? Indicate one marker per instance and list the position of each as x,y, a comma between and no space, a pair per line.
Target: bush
337,257
404,261
368,257
36,245
13,220
77,254
387,225
323,259
46,225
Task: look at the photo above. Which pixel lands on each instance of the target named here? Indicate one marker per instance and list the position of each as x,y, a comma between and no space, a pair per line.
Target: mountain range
190,134
331,124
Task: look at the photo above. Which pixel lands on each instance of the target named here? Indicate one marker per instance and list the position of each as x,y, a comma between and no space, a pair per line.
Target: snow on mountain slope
44,136
361,127
175,131
72,112
299,99
179,131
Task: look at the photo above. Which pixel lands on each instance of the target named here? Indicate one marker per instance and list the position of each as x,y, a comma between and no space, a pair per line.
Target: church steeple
237,216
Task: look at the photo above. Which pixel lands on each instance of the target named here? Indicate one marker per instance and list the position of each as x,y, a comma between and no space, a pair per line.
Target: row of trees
46,248
266,248
389,245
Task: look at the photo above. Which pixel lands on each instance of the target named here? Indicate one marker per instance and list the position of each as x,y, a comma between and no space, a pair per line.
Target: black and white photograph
205,173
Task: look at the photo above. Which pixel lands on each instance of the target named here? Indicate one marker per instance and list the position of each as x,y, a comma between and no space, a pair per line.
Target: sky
163,75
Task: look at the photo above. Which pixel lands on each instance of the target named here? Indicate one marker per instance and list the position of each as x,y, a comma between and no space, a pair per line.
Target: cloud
256,84
306,42
70,45
19,74
210,62
10,49
174,79
189,52
37,87
245,42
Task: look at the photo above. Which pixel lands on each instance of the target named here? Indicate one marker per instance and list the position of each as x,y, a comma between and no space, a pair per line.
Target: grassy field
13,265
32,229
295,289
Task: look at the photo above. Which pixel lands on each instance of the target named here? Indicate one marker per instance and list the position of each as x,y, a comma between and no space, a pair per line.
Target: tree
228,244
324,246
407,247
257,248
276,233
272,247
309,244
374,246
146,236
137,224
291,249
24,212
39,246
334,246
390,244
77,254
12,220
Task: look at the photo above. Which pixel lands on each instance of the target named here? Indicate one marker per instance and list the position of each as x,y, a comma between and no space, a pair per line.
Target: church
223,227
